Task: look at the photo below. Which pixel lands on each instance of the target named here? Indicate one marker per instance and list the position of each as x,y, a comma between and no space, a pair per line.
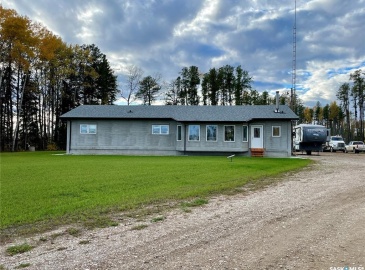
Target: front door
257,137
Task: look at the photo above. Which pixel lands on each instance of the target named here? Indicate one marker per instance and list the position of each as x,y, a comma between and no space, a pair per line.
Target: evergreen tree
242,87
211,87
358,92
148,90
343,94
326,115
227,85
189,86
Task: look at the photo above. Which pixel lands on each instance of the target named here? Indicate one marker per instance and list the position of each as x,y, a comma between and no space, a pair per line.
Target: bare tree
134,77
173,92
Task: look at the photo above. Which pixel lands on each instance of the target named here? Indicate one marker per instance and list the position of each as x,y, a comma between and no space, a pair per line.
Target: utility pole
294,70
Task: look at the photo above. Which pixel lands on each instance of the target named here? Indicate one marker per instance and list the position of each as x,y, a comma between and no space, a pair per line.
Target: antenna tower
294,71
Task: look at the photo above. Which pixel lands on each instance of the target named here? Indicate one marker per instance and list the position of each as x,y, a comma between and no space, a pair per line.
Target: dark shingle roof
182,113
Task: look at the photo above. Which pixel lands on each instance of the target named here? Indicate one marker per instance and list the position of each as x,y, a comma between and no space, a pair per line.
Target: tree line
42,77
225,86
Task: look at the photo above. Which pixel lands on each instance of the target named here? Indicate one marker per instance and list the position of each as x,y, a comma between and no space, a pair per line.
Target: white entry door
257,137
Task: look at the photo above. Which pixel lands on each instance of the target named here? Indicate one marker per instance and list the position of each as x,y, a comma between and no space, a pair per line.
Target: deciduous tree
134,76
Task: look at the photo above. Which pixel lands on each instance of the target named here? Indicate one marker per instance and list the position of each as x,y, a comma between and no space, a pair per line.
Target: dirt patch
314,220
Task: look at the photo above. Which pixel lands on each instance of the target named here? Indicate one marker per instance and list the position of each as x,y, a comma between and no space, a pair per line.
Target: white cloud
199,25
164,36
325,80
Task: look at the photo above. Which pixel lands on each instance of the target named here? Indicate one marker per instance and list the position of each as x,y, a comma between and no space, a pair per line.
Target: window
256,133
229,133
276,131
87,129
212,133
194,133
164,129
244,133
160,129
178,133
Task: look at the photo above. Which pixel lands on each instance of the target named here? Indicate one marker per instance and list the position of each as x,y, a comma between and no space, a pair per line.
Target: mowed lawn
43,186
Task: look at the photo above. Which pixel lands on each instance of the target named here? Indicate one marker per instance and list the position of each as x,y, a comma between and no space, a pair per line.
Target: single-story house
180,130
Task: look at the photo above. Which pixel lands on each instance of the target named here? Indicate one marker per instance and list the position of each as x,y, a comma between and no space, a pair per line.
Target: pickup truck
336,143
355,146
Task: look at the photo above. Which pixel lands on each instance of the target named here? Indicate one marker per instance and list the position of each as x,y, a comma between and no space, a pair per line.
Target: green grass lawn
42,186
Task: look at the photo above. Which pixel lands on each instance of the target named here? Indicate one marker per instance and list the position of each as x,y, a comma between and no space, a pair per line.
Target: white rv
309,138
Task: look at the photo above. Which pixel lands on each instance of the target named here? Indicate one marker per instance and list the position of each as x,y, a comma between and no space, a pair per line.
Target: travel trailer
309,138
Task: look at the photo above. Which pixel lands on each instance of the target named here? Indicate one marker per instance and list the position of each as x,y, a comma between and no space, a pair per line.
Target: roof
310,126
182,113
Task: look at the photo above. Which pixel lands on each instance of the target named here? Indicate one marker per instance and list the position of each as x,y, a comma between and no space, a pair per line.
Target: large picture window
244,133
229,133
276,131
160,129
211,133
194,133
87,129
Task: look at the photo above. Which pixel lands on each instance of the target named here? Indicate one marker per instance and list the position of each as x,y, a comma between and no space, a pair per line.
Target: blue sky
163,36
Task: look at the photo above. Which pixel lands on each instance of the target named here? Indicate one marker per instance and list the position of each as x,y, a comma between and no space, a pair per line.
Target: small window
160,129
256,133
244,133
179,133
84,129
165,129
212,133
156,129
87,129
276,131
229,133
194,133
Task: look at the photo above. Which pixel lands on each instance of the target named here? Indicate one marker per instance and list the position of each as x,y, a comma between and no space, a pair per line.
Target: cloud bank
166,35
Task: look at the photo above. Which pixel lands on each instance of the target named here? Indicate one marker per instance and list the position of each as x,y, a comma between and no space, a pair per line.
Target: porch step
257,152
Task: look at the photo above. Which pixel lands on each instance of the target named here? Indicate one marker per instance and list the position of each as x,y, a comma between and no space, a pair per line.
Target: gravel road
315,219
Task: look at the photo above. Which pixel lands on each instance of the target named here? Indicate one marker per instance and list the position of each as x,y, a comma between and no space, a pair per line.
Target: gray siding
220,145
134,137
277,146
123,137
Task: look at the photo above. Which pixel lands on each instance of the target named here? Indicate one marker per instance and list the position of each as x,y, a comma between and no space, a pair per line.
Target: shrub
52,146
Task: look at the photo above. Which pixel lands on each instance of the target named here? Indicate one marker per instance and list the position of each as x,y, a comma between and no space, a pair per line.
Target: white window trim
216,133
160,129
234,133
189,134
272,131
88,129
177,133
246,133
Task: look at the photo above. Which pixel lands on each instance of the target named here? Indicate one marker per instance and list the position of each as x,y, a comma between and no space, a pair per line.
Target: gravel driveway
313,220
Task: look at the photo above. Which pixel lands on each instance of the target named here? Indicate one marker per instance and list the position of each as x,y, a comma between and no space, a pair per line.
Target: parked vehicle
335,143
309,138
355,146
